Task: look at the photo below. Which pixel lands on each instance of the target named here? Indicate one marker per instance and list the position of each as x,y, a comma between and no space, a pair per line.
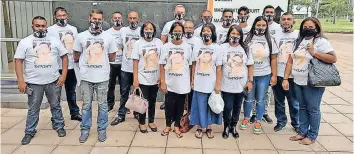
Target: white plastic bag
216,102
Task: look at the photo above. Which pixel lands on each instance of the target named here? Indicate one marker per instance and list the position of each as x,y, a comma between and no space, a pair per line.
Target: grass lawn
340,26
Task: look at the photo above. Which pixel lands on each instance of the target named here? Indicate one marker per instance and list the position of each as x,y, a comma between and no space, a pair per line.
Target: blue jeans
258,93
309,99
126,83
232,108
280,94
52,92
88,88
70,87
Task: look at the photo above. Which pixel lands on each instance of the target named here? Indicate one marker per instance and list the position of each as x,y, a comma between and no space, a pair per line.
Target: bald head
180,9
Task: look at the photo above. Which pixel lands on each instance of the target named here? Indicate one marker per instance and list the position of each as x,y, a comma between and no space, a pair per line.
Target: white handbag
216,102
137,103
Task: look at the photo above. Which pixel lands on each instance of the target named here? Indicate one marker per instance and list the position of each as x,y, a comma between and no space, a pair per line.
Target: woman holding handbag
175,64
237,77
145,53
206,78
310,45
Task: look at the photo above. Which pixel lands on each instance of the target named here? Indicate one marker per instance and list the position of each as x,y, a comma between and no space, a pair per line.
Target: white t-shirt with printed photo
275,31
261,54
286,48
221,33
177,60
197,31
40,57
94,60
207,58
148,54
129,37
118,38
235,68
66,35
302,57
194,41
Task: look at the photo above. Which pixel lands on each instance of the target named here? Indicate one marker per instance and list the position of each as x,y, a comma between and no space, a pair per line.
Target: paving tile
335,101
187,141
286,130
8,149
48,137
259,152
218,142
149,140
72,150
72,138
336,143
218,151
16,113
69,124
248,142
328,109
127,125
12,136
9,122
336,118
317,147
146,150
346,129
183,150
296,152
282,142
109,150
327,129
42,123
37,149
343,108
3,130
4,110
341,153
117,138
350,116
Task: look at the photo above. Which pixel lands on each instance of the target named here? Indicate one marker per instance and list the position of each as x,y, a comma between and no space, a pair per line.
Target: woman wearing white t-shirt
175,65
310,44
237,76
206,78
264,51
145,53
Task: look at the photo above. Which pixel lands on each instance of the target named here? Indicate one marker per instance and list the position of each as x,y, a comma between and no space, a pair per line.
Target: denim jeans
232,108
280,94
150,94
127,82
70,87
88,88
309,99
115,72
258,94
268,100
52,92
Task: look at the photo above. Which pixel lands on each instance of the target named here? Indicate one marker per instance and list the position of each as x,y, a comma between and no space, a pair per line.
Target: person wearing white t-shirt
264,51
237,78
179,14
39,53
206,17
93,50
311,44
206,78
287,38
243,15
67,34
115,66
130,35
227,20
175,66
146,53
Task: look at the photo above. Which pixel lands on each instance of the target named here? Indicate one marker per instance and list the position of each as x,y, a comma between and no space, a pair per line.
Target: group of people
242,62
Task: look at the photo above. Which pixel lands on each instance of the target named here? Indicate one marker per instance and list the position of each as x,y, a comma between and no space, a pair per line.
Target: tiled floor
335,136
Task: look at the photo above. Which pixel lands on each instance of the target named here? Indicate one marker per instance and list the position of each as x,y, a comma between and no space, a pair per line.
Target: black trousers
115,72
70,87
174,107
190,96
150,94
232,108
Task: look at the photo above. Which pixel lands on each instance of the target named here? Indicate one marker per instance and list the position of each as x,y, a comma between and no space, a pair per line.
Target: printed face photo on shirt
150,58
95,52
300,58
43,53
129,41
67,39
258,50
204,61
234,65
285,51
120,51
175,61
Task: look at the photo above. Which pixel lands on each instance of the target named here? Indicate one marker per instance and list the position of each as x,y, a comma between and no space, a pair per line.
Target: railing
8,48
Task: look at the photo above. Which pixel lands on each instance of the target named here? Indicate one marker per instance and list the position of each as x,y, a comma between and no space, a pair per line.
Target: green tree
336,7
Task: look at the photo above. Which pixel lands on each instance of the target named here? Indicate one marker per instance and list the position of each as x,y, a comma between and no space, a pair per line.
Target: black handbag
323,74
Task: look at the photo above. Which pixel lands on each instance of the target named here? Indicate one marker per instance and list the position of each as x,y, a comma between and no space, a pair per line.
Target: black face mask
177,36
259,31
287,29
269,17
189,34
234,39
179,16
206,37
148,35
242,19
61,22
307,32
206,20
40,33
117,23
227,21
133,24
95,28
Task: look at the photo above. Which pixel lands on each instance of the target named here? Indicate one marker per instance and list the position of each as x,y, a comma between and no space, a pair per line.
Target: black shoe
267,119
144,131
117,120
234,132
278,127
253,119
162,107
225,133
61,132
76,117
296,129
26,139
136,115
153,129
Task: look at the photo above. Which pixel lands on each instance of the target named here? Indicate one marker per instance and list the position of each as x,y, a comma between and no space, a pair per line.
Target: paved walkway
335,136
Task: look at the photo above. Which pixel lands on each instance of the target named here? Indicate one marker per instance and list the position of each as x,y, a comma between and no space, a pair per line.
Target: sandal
209,133
199,133
164,133
296,138
154,128
179,135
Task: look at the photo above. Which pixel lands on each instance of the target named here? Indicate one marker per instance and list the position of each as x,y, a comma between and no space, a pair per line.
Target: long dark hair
267,35
213,31
319,30
239,29
174,25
